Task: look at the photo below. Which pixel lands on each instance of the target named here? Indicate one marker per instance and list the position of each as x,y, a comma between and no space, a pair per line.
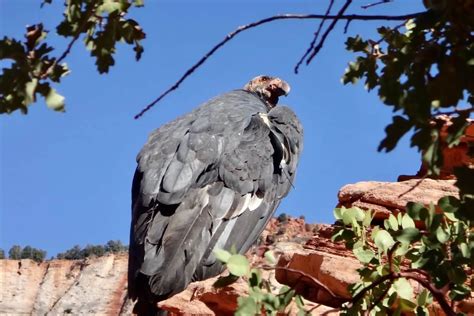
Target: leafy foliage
2,254
33,69
16,252
422,72
263,298
437,257
76,252
282,218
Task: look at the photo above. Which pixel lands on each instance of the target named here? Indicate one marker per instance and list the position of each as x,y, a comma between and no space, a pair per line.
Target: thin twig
346,27
89,12
304,274
315,38
240,29
417,184
328,31
375,3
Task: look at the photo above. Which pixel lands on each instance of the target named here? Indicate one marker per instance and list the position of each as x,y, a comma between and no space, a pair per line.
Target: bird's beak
282,86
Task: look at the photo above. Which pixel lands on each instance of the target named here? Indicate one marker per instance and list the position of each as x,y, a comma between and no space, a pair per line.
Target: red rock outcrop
385,198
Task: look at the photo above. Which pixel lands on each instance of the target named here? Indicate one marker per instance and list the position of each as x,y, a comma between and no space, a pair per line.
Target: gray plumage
209,179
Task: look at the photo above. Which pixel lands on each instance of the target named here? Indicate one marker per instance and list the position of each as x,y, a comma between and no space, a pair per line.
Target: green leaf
414,210
246,306
255,278
338,212
257,294
222,255
399,127
402,249
408,235
442,234
419,263
286,296
424,298
368,217
30,90
407,221
456,129
391,222
403,288
449,204
432,156
55,101
363,255
299,301
465,250
238,265
11,48
383,240
353,215
459,292
406,306
110,6
270,257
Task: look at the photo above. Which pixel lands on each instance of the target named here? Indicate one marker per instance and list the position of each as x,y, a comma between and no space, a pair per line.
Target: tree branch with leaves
33,69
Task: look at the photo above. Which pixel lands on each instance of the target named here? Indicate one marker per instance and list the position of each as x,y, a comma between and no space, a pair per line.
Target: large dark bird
207,180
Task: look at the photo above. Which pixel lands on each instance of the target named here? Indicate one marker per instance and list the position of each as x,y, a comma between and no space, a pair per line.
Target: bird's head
269,89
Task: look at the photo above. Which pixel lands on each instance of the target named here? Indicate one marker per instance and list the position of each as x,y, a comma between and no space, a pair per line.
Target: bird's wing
205,180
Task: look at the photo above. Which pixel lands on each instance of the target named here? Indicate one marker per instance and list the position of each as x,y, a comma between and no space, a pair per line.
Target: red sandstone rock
385,198
201,298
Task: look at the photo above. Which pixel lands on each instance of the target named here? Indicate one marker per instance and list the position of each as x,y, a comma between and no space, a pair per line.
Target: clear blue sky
65,178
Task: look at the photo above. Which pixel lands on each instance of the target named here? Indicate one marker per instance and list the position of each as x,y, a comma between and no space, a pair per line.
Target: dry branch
230,36
315,38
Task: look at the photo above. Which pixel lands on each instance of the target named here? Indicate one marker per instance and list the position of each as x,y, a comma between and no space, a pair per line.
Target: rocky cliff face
98,285
57,287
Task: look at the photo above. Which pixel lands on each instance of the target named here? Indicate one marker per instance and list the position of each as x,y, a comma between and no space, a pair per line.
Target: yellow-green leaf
383,240
407,221
55,101
238,265
222,255
403,288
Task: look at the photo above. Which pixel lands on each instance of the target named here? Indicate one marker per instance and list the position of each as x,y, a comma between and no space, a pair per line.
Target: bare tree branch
315,38
375,3
328,31
230,36
437,293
